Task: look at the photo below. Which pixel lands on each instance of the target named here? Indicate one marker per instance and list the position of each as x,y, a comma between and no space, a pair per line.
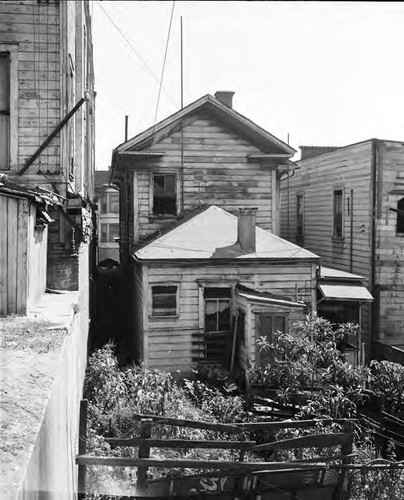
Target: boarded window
164,300
299,215
164,194
400,216
337,214
217,309
109,233
4,110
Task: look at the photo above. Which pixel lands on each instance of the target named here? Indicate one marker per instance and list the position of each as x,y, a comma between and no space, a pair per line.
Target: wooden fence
316,477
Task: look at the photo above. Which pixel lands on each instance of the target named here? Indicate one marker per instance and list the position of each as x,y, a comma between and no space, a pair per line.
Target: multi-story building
347,205
47,121
108,216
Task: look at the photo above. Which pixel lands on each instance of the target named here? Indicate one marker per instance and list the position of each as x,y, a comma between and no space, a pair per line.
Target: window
217,309
109,232
164,194
337,214
110,203
299,215
400,217
164,300
8,106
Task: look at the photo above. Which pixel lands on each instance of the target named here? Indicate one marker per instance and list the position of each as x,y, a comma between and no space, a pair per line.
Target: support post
144,452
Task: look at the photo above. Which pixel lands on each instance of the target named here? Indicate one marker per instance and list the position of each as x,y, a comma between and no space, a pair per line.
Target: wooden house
199,218
47,120
346,205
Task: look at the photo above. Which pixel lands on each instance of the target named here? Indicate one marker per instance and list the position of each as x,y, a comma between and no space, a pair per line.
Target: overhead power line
136,52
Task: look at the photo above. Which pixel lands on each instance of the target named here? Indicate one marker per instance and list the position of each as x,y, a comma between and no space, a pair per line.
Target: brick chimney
225,97
246,229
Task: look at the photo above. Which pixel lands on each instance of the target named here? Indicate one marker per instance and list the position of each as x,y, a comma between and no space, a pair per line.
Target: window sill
336,239
163,318
163,217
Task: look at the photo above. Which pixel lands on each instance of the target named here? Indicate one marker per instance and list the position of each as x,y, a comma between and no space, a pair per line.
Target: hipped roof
209,234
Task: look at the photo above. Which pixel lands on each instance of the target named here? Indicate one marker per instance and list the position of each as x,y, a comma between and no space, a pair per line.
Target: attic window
164,194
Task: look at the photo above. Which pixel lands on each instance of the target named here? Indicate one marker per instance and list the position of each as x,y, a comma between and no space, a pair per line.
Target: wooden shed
23,249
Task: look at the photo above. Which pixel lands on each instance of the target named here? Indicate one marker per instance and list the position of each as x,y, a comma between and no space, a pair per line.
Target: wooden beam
31,160
182,422
292,424
183,443
319,440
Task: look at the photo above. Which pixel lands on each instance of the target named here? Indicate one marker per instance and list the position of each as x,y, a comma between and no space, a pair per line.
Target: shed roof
345,293
329,273
208,234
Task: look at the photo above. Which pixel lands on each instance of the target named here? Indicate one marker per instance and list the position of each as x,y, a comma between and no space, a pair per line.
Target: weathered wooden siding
34,27
168,342
138,312
216,171
389,282
348,168
22,256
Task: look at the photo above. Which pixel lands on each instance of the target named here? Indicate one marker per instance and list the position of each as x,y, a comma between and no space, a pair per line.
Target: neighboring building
192,268
108,216
47,121
347,205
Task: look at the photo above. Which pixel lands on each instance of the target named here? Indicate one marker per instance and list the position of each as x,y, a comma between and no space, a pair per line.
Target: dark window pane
400,216
164,195
104,232
217,293
223,315
164,300
299,215
104,203
338,213
113,232
279,324
4,83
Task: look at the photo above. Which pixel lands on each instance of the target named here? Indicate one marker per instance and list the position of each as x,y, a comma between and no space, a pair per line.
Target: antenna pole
182,70
126,127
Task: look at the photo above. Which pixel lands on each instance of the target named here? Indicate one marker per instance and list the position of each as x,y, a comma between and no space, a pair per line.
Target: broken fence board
182,443
319,440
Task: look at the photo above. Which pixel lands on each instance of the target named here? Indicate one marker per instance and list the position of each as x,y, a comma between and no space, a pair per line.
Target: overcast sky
326,73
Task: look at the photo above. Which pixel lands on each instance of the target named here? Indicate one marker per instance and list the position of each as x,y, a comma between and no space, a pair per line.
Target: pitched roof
212,230
243,124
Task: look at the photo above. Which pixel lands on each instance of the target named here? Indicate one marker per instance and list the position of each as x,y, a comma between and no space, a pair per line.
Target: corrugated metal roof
213,234
354,293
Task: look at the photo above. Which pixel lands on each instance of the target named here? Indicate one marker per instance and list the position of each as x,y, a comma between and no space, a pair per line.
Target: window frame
106,195
108,224
300,195
217,300
337,237
12,50
151,194
158,317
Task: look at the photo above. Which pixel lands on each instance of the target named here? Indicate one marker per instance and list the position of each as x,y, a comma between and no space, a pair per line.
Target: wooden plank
82,447
194,464
23,230
12,245
144,452
194,424
291,424
319,440
183,443
3,255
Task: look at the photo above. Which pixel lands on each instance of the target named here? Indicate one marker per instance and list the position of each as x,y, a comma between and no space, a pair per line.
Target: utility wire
164,63
131,46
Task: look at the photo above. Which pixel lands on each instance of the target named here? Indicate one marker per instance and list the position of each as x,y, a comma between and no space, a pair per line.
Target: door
265,326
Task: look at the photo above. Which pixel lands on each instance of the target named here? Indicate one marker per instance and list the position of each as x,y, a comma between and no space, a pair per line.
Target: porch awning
354,293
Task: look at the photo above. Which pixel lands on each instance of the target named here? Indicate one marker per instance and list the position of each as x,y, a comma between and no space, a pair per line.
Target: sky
320,73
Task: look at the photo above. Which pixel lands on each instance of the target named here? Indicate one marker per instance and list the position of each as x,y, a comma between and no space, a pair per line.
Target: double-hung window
110,203
109,232
217,309
164,194
299,215
400,217
338,215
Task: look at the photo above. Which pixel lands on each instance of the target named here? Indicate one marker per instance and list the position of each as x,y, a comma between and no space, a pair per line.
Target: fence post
82,448
346,449
144,452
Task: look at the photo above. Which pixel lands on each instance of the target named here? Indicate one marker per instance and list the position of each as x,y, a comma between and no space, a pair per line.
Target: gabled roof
267,141
209,231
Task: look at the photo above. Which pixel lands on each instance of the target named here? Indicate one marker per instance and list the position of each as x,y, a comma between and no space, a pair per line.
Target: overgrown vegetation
308,371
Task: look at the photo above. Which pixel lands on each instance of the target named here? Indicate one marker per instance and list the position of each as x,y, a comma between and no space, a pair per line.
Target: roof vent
225,97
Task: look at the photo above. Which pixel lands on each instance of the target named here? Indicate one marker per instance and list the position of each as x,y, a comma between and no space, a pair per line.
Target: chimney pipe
225,97
126,127
246,236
